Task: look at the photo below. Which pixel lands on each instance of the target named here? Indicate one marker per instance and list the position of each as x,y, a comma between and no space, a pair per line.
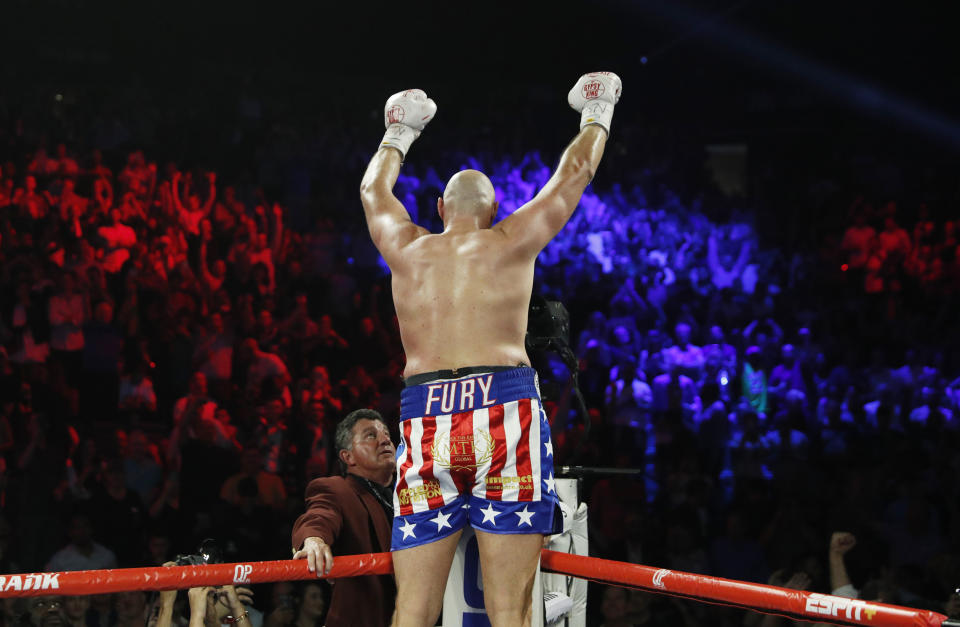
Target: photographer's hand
238,599
198,605
166,601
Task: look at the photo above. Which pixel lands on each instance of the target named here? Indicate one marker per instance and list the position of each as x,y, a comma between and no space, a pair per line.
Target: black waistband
456,373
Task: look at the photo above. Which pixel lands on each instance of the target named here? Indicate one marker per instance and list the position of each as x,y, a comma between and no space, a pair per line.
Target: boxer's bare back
461,300
462,295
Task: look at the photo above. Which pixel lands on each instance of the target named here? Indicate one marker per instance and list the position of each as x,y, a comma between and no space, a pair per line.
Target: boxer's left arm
388,221
405,115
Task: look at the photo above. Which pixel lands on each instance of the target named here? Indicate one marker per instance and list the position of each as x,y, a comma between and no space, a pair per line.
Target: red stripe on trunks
524,466
499,459
405,510
427,475
463,454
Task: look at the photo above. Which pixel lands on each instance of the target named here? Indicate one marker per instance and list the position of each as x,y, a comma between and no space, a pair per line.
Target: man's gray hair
344,435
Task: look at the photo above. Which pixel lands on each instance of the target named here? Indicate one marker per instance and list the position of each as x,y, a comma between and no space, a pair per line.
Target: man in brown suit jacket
350,515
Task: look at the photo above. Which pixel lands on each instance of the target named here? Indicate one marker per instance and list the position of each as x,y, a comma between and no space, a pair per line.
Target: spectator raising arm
212,194
723,277
276,241
212,283
175,192
152,170
840,543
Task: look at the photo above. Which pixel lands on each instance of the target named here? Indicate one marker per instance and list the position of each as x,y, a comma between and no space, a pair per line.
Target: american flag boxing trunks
474,449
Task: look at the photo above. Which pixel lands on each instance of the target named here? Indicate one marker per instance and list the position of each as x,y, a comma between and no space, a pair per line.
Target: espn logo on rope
241,573
658,577
838,607
39,581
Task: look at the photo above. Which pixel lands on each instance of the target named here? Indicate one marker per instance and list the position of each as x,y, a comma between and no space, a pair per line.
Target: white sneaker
556,606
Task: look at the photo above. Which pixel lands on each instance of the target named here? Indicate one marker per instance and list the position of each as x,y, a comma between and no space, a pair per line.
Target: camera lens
210,552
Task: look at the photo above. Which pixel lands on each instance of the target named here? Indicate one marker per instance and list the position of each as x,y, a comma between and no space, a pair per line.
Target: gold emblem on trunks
463,452
423,492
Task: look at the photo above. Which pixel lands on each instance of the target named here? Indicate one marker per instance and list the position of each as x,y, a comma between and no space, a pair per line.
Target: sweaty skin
462,295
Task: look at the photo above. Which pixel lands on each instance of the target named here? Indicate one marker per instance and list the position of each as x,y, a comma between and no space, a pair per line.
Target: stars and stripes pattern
506,488
512,429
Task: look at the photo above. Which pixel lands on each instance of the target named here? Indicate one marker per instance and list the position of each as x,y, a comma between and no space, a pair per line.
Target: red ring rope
177,577
769,599
810,606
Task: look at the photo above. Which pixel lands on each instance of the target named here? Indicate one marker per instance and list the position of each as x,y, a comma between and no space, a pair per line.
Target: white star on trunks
549,446
549,481
407,530
441,521
490,514
525,517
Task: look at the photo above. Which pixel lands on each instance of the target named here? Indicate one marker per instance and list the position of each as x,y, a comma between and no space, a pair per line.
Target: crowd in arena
175,350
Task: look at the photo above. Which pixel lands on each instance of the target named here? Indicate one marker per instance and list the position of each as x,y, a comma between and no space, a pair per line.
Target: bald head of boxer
469,196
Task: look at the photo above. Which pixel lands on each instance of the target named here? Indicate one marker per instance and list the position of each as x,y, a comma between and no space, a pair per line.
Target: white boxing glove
405,115
594,96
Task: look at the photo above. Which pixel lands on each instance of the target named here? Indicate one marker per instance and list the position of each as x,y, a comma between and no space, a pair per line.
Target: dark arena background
763,279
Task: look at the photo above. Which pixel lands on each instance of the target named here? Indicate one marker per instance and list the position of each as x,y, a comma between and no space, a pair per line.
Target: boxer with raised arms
475,446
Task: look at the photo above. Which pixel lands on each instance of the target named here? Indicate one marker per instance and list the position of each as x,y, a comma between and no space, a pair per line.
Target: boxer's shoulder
460,243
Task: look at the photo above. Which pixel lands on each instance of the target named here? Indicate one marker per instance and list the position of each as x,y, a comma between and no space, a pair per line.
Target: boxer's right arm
531,227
